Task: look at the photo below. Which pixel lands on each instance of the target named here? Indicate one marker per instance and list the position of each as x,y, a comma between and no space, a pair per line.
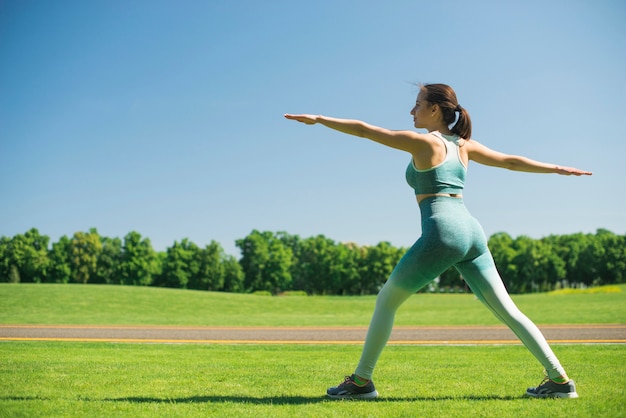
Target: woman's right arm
409,141
486,156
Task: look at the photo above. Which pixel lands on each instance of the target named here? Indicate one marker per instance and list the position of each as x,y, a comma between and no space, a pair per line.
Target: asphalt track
426,335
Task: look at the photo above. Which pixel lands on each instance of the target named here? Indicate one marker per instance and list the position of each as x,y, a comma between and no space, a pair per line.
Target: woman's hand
571,171
308,119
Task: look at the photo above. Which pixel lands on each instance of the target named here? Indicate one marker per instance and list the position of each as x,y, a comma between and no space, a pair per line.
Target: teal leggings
450,237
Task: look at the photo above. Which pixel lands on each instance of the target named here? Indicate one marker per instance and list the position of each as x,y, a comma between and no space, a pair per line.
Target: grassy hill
124,305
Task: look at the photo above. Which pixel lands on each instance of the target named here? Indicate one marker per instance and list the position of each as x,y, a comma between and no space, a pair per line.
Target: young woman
450,235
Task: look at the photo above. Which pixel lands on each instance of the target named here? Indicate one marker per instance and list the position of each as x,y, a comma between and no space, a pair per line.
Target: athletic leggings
450,237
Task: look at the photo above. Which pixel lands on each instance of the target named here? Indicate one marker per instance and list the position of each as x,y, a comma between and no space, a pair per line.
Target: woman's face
421,112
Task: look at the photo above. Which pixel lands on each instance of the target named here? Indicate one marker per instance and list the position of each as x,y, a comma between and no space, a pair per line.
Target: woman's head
442,96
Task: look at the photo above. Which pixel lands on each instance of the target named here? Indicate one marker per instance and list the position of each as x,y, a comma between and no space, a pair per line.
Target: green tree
60,270
347,269
233,275
180,265
139,262
380,260
504,251
84,250
294,243
266,262
313,269
539,267
110,262
589,271
25,257
37,256
210,272
612,267
8,272
569,248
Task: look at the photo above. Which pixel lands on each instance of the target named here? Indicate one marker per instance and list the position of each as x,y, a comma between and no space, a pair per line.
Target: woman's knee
391,296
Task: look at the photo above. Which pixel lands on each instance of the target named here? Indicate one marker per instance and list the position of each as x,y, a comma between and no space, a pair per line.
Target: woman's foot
349,389
550,389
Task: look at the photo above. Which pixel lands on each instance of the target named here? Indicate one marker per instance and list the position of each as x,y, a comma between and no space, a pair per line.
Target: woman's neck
443,130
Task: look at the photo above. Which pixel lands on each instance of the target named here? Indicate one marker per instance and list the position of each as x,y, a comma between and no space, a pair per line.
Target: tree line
279,262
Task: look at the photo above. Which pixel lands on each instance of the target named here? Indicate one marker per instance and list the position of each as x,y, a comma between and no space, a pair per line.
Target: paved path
429,335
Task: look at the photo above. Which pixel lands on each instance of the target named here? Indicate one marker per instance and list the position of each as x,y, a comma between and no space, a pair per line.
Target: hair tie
457,115
458,108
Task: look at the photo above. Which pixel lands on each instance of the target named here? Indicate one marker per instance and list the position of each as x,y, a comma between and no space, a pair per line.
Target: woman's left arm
486,156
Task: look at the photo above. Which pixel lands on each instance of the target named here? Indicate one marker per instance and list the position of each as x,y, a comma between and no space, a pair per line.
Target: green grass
590,290
189,380
146,380
123,305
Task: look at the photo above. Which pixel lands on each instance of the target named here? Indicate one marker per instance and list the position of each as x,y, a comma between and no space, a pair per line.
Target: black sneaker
549,389
348,389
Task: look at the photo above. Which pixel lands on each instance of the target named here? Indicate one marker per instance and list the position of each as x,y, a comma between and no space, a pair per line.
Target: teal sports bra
446,177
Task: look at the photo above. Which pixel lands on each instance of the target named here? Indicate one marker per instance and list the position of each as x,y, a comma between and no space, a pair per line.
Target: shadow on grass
274,400
301,400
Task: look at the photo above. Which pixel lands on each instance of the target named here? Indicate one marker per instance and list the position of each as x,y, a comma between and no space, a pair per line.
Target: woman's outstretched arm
483,155
409,141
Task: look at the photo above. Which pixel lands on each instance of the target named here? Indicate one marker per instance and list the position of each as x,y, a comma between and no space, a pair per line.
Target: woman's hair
443,96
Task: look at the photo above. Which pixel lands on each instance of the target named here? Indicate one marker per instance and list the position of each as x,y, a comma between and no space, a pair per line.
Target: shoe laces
348,379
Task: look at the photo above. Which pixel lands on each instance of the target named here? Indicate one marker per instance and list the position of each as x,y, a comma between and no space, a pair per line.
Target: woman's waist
421,197
441,206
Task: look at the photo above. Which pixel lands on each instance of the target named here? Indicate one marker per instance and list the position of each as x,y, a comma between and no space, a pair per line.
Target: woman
450,235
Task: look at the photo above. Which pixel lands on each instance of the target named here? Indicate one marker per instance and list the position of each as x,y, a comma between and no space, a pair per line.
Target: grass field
146,380
187,380
130,305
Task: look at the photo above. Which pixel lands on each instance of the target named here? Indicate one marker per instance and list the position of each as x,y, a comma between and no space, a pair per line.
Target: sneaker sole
369,395
569,395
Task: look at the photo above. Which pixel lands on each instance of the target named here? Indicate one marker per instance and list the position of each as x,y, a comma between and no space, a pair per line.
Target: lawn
129,305
77,379
146,380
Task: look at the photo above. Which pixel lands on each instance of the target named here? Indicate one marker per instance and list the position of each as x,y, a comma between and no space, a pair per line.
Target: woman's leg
424,261
388,301
482,277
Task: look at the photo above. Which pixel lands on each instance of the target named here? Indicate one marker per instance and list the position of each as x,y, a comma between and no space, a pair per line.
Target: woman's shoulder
470,144
429,139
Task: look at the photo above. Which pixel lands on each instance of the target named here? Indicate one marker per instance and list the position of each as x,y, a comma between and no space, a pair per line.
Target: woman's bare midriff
421,197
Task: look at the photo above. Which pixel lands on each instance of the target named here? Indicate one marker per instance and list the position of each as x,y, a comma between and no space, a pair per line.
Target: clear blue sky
165,117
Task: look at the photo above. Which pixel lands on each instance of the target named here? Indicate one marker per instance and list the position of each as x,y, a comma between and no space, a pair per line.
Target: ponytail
463,125
455,116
